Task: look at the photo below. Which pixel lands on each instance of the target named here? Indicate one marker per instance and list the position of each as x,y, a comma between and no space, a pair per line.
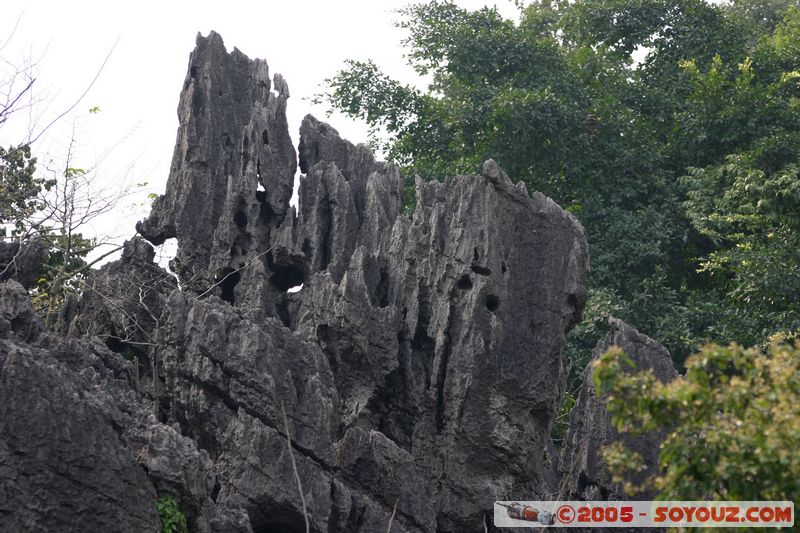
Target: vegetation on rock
172,519
732,424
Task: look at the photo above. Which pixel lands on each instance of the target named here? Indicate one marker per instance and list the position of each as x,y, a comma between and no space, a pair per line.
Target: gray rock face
232,170
419,366
22,263
63,462
18,321
585,475
79,449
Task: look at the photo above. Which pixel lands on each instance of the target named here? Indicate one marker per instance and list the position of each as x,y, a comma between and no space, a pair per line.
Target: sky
145,46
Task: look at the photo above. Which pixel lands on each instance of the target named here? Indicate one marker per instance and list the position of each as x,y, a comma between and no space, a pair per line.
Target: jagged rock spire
420,364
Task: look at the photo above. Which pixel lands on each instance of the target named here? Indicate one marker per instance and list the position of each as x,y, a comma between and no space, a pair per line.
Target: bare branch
13,261
9,107
80,98
122,312
249,261
13,30
90,264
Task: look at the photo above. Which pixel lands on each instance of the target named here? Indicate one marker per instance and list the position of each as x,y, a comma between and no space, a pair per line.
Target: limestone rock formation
585,475
22,262
79,448
418,368
62,460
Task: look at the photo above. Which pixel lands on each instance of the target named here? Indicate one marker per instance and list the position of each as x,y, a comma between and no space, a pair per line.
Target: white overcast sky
137,91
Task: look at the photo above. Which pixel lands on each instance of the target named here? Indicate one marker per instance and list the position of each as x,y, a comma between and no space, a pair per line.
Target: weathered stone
418,369
232,170
439,335
79,449
175,465
22,261
586,476
123,304
18,321
63,462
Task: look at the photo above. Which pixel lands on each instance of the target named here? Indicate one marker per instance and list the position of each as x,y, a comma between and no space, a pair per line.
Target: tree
747,205
731,423
19,188
53,204
66,208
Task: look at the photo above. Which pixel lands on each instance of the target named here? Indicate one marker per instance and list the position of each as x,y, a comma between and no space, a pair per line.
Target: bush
732,422
172,519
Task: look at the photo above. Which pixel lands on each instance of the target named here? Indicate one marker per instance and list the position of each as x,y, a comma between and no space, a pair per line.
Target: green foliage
19,187
64,271
759,17
561,422
46,209
747,205
630,114
583,337
732,422
172,519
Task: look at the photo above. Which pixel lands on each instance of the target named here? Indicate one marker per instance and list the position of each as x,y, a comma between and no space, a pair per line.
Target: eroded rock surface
585,475
79,448
22,262
63,462
419,367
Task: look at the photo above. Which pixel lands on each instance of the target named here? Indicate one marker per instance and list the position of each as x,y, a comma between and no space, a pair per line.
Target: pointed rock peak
212,39
233,139
319,141
495,174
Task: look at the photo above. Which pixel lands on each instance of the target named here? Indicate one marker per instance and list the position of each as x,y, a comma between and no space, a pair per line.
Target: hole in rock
240,219
265,212
583,481
382,290
227,278
503,267
286,277
165,255
483,271
464,283
265,137
18,323
275,519
475,255
279,528
283,312
376,277
130,353
492,303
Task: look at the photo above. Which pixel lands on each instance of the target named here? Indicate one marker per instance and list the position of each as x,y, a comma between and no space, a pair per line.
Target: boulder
586,476
23,261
